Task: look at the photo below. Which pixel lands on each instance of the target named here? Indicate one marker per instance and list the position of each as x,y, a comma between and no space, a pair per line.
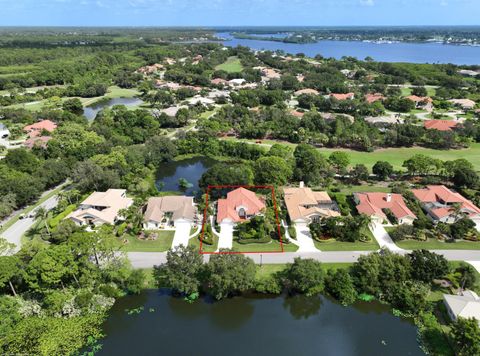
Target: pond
190,169
90,112
429,52
255,326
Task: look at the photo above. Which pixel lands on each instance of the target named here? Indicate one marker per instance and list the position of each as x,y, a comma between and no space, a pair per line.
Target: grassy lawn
231,65
433,244
195,241
333,245
396,156
112,92
162,243
364,188
273,245
347,246
406,91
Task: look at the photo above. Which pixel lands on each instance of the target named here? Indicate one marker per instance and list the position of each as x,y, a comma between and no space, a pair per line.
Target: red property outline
246,187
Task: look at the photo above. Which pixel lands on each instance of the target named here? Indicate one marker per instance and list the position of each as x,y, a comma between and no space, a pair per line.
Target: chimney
389,197
302,184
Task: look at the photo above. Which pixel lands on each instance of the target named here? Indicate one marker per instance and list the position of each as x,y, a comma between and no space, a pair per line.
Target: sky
238,12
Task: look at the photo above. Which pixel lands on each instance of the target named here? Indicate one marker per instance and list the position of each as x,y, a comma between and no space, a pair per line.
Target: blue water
90,112
384,52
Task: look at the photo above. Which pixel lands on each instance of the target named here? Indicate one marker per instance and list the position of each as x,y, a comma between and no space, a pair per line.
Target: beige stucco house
168,211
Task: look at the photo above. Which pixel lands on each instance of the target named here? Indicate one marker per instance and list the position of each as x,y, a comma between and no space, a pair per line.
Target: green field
195,241
161,244
231,65
396,156
432,244
113,92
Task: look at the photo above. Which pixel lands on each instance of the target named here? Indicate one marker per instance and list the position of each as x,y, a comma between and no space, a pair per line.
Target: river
386,52
255,326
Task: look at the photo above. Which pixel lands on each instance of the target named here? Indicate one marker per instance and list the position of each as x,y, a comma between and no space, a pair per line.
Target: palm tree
42,213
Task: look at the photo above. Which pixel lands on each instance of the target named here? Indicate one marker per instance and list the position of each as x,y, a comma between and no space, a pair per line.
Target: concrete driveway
225,237
304,239
182,234
383,238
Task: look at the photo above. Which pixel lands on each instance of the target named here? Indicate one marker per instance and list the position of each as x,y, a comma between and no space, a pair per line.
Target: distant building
167,211
219,81
240,204
347,96
306,206
468,73
375,205
440,125
36,129
306,91
101,208
465,104
424,102
371,98
439,202
466,305
40,142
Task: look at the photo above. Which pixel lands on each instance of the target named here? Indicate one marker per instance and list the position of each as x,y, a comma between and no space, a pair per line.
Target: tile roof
374,203
443,197
297,200
226,208
35,129
441,125
307,91
181,207
342,96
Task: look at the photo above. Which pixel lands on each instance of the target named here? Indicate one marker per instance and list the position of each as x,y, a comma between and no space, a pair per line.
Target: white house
466,305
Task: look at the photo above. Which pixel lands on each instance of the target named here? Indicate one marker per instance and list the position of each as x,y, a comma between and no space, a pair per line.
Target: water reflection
301,307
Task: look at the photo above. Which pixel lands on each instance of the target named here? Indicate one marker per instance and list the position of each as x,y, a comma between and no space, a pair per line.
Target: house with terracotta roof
371,98
168,211
424,102
306,91
219,81
36,129
306,206
241,204
347,96
297,113
440,125
445,205
376,205
101,208
39,142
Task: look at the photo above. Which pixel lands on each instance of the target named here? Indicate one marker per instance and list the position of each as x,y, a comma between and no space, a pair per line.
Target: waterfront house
168,211
466,305
240,204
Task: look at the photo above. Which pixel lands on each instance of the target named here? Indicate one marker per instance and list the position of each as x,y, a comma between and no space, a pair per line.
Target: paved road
15,232
150,259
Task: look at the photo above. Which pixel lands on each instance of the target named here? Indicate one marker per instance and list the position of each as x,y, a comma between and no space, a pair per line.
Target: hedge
53,222
292,232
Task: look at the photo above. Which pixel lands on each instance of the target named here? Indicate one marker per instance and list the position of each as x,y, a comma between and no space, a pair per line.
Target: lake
191,169
385,52
90,112
255,326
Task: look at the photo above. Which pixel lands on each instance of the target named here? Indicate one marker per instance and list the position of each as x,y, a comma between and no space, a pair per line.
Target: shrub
53,222
292,232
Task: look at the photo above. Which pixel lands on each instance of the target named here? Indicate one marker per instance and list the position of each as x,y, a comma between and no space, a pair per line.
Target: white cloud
367,2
